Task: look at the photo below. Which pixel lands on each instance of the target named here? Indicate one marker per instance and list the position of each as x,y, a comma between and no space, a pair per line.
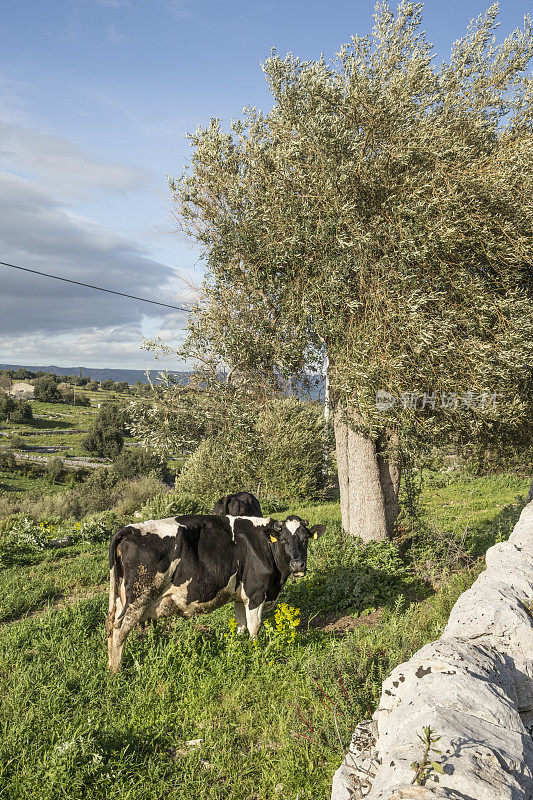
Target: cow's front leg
253,618
240,616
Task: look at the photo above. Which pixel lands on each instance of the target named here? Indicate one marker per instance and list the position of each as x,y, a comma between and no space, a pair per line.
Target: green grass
59,416
264,717
24,480
49,578
272,720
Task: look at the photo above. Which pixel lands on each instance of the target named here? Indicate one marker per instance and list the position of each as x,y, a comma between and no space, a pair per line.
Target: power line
90,286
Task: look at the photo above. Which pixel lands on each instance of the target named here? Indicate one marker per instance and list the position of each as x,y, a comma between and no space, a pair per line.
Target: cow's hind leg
240,616
122,626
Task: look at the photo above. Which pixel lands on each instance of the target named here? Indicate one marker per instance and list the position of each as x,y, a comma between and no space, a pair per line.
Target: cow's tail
115,573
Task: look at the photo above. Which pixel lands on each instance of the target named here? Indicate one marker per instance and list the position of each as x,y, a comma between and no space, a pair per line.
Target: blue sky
96,98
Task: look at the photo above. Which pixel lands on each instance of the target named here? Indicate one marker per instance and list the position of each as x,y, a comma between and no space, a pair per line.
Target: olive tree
377,219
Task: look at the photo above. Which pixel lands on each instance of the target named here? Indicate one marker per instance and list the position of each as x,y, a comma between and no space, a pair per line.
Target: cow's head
293,534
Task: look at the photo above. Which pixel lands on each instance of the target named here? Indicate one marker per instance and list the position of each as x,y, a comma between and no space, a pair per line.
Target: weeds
424,767
283,631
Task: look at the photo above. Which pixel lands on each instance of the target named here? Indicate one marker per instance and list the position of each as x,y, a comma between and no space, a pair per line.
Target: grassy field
71,424
198,713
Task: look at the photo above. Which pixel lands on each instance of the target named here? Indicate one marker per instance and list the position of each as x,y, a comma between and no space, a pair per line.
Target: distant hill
128,375
131,376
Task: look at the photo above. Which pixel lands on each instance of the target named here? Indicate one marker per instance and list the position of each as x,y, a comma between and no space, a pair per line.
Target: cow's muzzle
297,568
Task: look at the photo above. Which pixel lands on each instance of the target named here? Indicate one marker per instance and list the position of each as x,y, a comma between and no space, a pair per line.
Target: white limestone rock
474,687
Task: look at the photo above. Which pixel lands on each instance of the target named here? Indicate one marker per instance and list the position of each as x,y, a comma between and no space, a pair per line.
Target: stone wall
473,686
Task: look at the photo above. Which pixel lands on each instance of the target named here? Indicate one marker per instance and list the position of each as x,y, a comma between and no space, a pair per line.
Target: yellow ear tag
273,539
315,535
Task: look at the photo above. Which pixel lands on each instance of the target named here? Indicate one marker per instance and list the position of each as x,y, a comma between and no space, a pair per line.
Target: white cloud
181,9
62,166
42,177
113,346
37,231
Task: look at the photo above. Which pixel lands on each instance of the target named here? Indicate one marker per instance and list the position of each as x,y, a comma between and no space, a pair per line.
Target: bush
46,390
54,469
129,496
22,374
7,406
137,461
74,398
283,459
17,442
293,440
22,413
173,504
93,386
105,438
103,442
217,468
96,492
7,460
99,528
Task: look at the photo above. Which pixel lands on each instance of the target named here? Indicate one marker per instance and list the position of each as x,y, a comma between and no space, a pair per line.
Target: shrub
97,491
171,503
7,406
130,495
17,442
93,386
105,438
96,529
22,413
293,440
282,459
103,442
5,380
217,468
7,460
137,461
22,374
54,469
66,505
74,398
46,390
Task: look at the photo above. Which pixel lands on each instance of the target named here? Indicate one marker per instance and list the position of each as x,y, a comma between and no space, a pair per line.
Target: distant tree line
46,381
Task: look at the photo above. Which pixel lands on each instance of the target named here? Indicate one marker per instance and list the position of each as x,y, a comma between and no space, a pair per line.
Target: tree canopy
380,214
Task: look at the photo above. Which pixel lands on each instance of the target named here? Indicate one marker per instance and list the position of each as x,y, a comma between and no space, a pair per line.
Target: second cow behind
240,504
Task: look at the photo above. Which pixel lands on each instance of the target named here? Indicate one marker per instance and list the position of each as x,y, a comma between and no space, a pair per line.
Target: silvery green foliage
381,213
182,413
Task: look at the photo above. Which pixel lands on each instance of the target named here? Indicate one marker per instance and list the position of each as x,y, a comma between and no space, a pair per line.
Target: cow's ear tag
315,535
273,538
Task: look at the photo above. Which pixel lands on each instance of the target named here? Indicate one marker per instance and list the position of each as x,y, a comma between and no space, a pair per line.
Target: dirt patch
339,624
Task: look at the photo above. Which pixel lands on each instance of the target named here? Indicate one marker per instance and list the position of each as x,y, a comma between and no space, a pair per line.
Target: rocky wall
473,686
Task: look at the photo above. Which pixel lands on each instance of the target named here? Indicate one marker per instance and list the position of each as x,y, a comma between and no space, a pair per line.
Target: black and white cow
241,504
193,564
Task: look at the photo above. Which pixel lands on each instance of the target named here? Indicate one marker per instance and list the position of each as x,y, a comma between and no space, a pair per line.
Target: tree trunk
369,480
390,473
